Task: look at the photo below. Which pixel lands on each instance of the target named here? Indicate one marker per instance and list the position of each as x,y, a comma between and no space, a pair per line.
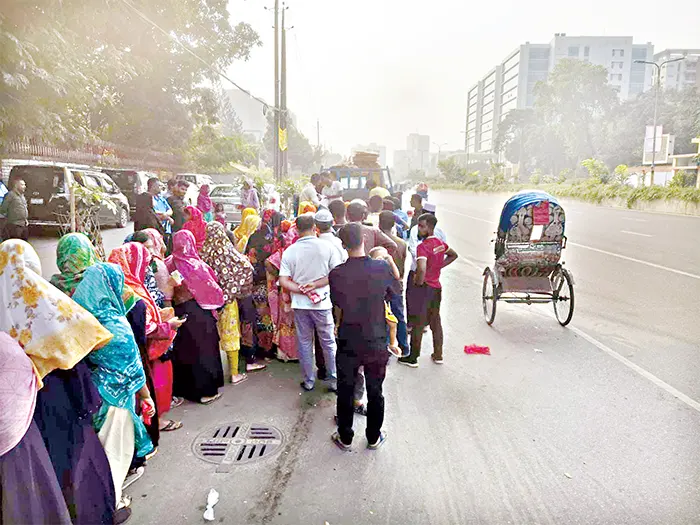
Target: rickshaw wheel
489,296
563,296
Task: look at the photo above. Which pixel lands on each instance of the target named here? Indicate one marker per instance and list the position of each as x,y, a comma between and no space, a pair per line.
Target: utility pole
276,136
657,88
318,134
283,102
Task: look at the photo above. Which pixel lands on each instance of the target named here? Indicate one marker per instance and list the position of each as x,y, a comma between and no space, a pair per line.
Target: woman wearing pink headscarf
204,203
196,224
28,483
196,360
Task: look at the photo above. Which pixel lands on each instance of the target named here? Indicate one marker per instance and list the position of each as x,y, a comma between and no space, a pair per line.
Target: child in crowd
220,214
380,253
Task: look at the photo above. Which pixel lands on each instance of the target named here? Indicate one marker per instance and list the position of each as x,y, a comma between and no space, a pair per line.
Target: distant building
416,156
511,84
682,74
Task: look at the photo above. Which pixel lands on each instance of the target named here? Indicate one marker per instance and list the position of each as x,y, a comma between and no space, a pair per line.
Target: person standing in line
161,207
432,256
14,209
358,288
204,203
304,273
417,205
249,196
310,192
376,204
332,191
177,204
372,236
324,227
386,222
337,209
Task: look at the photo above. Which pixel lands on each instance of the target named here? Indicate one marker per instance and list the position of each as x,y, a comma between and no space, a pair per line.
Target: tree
574,103
597,170
211,152
451,170
300,154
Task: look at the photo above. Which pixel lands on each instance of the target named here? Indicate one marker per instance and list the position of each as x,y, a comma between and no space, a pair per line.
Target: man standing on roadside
386,222
372,236
324,227
161,208
311,191
358,288
432,256
14,209
177,204
417,205
304,273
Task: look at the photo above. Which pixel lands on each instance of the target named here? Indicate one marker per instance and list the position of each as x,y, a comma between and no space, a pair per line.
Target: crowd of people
93,360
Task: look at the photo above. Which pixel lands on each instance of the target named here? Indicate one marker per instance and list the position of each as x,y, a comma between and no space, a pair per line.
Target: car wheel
123,217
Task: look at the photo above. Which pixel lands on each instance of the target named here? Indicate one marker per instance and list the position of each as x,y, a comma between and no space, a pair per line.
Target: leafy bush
535,178
621,174
597,170
683,179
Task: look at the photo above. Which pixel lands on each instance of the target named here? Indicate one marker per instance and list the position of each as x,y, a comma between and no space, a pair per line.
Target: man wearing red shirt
432,256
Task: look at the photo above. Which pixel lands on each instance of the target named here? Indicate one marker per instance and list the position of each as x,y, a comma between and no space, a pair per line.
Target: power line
188,50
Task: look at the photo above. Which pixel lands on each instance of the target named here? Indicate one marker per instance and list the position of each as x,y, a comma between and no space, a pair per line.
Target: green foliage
597,170
300,154
212,153
621,174
535,178
92,198
72,71
683,179
452,171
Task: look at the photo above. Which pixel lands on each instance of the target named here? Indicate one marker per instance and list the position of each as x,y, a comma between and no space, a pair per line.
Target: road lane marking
639,261
638,369
611,254
636,233
633,219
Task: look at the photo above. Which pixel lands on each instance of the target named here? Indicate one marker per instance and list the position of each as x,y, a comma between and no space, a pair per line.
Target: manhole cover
237,443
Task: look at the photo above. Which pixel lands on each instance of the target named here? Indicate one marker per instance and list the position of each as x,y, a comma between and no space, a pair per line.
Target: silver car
230,196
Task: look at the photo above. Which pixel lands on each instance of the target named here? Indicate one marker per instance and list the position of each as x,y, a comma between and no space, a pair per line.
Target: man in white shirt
324,227
309,193
332,191
304,273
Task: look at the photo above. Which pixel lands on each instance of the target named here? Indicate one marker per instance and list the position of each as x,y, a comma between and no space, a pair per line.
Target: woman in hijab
117,373
280,300
165,285
196,224
204,203
145,216
75,253
156,331
36,313
263,243
247,228
28,485
196,359
234,274
249,195
238,230
306,207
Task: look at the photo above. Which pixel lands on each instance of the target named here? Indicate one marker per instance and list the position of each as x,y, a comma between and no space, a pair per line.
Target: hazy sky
377,70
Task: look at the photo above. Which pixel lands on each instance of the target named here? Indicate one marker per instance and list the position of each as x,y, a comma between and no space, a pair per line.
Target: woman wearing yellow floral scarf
238,230
54,331
247,228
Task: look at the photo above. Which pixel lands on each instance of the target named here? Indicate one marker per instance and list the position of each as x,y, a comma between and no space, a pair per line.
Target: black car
131,182
48,197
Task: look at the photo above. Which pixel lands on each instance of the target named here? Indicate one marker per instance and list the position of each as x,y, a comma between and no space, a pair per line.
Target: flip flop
176,402
243,378
172,425
395,351
210,400
133,477
255,367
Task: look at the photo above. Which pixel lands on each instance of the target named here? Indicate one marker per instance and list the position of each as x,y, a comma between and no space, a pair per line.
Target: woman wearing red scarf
196,224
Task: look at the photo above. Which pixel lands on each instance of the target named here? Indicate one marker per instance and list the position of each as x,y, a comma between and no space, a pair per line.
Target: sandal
171,425
255,367
176,402
151,454
395,351
238,379
124,503
133,476
209,400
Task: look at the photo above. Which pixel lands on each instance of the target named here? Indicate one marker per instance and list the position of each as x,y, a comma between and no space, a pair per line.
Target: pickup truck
354,180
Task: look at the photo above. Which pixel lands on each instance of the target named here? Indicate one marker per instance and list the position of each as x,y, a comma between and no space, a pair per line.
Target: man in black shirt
358,289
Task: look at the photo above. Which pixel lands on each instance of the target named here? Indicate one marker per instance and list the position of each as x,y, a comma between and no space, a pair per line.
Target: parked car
131,182
196,181
230,196
48,199
271,197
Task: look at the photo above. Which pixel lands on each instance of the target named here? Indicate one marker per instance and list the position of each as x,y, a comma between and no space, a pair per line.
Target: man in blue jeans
386,223
304,273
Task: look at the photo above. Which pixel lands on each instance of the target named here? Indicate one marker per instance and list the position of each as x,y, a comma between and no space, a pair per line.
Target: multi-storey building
681,74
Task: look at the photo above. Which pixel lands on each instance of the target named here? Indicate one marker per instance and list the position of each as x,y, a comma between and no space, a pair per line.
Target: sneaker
437,360
306,386
408,362
339,443
332,386
378,443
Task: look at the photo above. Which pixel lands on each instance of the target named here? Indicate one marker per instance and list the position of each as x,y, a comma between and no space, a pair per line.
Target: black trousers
373,356
13,231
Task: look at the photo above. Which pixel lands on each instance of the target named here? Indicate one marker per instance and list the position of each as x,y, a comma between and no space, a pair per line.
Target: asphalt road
597,423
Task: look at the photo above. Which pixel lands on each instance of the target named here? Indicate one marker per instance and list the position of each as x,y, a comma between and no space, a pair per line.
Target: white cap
323,216
429,207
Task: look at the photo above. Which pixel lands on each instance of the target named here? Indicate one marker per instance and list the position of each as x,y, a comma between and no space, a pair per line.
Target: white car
196,181
271,197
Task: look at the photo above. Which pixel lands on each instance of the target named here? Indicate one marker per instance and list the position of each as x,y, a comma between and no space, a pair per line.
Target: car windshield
44,180
225,191
123,179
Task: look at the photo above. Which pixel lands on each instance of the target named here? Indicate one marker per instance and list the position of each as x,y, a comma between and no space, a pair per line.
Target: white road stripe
638,369
633,219
611,254
646,263
636,233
